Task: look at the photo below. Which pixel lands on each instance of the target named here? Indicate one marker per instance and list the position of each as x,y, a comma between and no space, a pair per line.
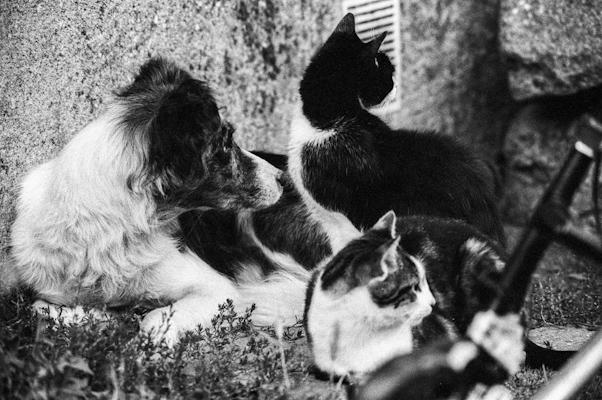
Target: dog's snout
267,180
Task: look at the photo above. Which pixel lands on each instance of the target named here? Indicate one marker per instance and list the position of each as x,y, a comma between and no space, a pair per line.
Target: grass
231,359
109,360
566,291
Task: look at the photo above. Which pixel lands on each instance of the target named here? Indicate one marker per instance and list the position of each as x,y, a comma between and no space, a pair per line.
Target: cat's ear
387,223
389,252
375,43
346,25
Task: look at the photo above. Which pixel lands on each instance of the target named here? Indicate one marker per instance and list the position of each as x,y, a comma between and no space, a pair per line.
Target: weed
110,359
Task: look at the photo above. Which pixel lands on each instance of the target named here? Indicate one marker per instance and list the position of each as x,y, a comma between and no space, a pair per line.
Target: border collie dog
98,225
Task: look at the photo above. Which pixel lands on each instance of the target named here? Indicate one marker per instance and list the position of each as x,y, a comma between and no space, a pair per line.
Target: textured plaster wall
60,60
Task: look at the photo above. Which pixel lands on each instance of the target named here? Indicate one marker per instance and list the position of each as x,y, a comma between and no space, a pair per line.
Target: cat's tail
482,267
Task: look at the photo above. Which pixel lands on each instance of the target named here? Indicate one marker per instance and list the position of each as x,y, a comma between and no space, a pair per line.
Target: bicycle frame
551,219
551,222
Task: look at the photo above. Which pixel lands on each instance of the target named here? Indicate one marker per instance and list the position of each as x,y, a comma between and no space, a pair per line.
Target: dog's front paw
159,325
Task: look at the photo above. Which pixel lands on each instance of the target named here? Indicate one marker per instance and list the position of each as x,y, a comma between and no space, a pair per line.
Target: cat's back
449,248
413,153
428,150
434,174
420,233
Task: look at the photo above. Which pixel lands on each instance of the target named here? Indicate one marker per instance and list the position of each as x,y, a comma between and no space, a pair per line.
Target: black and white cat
402,284
346,162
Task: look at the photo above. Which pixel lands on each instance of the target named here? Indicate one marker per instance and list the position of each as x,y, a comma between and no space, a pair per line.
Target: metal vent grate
373,17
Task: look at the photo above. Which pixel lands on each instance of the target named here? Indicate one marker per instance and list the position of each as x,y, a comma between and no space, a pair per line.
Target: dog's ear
186,121
155,73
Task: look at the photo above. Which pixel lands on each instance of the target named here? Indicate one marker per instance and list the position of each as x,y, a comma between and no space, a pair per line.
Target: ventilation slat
374,29
375,24
385,48
385,13
370,6
349,4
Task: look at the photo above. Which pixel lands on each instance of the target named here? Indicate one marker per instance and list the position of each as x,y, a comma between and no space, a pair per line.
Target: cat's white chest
354,335
339,229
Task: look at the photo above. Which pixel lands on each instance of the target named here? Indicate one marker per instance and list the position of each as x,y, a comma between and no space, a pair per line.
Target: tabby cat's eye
376,62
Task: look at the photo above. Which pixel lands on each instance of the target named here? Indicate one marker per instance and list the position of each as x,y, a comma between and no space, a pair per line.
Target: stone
563,338
552,47
537,142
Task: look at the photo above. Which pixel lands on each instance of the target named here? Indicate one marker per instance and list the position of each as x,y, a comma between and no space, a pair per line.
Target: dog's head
190,159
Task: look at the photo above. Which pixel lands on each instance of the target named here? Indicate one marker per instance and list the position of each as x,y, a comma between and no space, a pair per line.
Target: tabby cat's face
364,71
394,279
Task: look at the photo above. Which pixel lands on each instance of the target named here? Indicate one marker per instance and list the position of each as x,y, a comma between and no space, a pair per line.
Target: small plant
110,359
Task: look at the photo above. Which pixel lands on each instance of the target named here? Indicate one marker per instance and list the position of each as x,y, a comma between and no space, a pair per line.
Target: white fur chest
337,226
352,335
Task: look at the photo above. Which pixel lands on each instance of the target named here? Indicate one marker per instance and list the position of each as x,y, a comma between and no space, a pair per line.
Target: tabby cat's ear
389,252
376,42
347,24
387,223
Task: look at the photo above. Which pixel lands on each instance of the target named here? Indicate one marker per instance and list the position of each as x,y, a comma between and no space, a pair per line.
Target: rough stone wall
453,78
61,59
554,49
537,142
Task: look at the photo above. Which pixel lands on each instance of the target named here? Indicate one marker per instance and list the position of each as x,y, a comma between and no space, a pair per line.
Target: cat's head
353,70
377,261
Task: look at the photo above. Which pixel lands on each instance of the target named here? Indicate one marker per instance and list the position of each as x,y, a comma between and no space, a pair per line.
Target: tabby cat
402,284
